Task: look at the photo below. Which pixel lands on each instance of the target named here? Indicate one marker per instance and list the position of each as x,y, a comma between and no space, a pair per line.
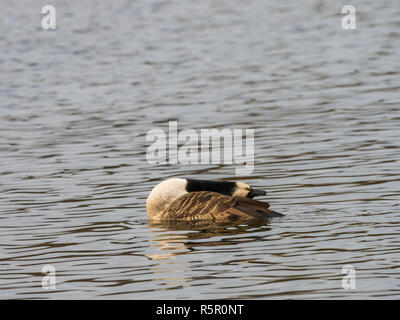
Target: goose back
206,205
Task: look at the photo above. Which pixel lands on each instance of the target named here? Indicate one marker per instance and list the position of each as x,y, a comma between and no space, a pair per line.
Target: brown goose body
206,205
191,200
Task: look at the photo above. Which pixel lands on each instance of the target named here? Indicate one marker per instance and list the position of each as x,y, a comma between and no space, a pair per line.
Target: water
76,105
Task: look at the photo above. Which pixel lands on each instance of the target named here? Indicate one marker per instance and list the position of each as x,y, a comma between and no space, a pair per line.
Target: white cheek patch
240,193
242,190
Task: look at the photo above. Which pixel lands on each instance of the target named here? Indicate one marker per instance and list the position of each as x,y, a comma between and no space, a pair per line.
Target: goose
178,199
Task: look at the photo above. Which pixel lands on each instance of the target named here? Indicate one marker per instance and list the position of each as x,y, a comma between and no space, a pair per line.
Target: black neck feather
224,187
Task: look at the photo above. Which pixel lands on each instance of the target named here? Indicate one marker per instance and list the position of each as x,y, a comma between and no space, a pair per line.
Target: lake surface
76,104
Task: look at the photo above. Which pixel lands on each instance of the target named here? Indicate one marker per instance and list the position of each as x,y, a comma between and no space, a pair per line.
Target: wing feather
206,205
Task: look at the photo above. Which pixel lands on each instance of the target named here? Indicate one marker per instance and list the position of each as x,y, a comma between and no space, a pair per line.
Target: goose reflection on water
174,238
179,250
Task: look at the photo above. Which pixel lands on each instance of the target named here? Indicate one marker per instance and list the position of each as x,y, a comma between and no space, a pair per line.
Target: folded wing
206,205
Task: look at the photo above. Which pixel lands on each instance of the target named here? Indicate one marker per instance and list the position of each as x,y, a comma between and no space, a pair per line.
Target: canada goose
190,200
